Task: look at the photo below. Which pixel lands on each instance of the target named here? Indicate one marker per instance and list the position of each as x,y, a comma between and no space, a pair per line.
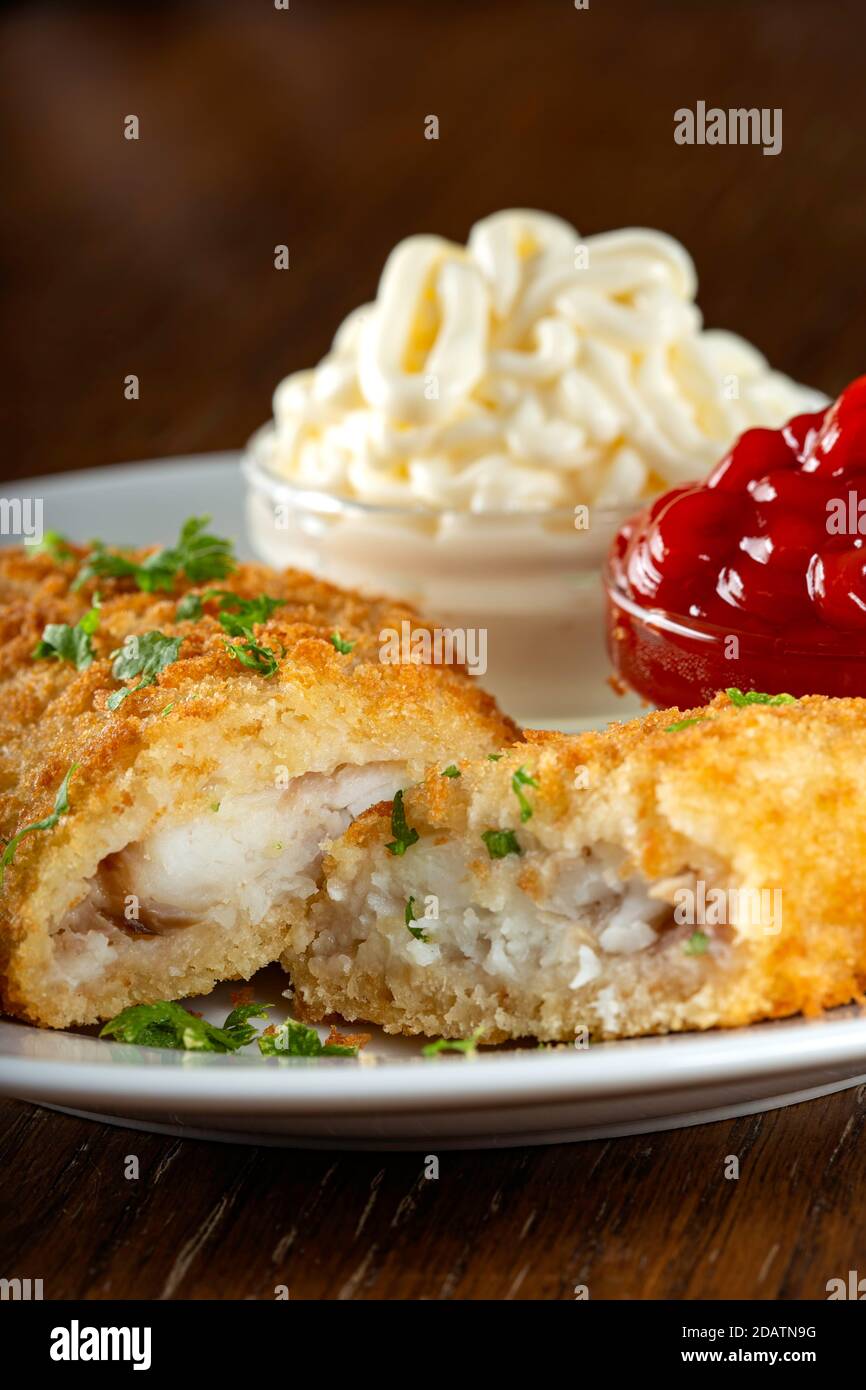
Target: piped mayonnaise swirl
529,369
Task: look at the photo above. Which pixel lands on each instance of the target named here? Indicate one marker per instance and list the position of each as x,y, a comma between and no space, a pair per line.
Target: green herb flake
61,806
102,563
754,697
197,555
238,616
450,771
500,843
166,1024
464,1045
339,644
683,724
263,660
404,835
189,609
55,545
144,656
410,918
293,1039
696,944
494,757
237,1024
520,780
60,642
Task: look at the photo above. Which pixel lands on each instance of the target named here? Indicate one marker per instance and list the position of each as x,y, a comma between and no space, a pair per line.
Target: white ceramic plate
395,1098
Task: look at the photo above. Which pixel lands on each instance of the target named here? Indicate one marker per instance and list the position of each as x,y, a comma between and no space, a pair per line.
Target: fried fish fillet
684,871
198,806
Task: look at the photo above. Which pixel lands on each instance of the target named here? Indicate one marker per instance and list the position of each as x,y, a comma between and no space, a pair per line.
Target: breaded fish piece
609,907
197,806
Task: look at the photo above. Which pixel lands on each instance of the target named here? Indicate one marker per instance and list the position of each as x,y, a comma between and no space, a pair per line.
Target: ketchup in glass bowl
754,578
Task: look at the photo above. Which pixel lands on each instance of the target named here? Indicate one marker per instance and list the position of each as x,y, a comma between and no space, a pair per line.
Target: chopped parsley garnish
237,1025
520,780
166,1024
754,697
293,1039
464,1045
494,757
60,642
339,644
106,564
189,609
683,724
143,656
500,843
61,806
250,653
239,616
404,835
55,545
450,771
696,944
410,917
197,555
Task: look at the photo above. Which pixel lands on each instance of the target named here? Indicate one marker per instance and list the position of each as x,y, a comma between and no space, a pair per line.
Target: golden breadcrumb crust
52,715
757,796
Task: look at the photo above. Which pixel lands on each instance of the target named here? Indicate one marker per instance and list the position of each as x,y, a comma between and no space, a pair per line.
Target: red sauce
755,577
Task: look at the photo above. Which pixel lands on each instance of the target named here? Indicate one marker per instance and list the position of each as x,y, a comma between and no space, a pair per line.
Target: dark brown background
261,127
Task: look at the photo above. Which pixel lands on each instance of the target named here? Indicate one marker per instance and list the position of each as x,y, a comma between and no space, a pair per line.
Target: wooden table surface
305,127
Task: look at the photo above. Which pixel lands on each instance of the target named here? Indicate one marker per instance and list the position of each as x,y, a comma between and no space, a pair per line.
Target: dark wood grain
261,127
648,1217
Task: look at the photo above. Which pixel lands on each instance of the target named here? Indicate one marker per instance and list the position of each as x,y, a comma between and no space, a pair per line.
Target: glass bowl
522,590
672,660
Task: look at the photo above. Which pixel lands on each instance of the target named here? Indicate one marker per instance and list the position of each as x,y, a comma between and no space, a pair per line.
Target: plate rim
97,473
607,1070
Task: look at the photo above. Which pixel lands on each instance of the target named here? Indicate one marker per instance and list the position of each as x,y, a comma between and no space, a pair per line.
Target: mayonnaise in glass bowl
476,436
521,592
